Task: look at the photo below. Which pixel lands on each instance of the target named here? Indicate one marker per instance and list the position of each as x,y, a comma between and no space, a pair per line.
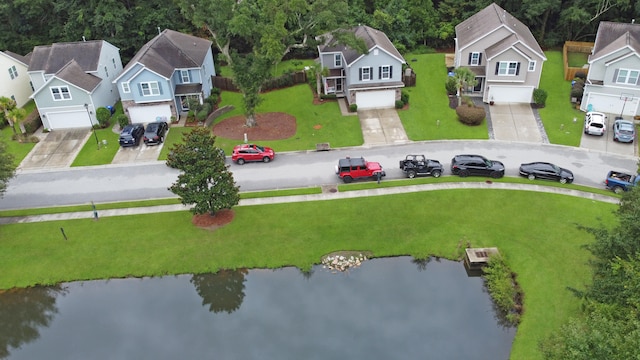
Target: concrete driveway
138,154
56,149
382,127
605,143
514,122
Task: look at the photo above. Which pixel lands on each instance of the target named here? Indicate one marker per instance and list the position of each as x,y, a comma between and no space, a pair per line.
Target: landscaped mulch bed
271,126
206,221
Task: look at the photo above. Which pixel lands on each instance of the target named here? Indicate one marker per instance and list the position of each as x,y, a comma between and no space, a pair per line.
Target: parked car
545,170
619,181
414,165
465,165
131,135
595,123
354,168
251,152
155,132
623,131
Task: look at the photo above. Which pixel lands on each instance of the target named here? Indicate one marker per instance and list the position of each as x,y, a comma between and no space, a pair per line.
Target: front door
338,85
478,87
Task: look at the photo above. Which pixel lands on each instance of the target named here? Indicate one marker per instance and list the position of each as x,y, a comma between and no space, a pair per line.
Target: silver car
623,131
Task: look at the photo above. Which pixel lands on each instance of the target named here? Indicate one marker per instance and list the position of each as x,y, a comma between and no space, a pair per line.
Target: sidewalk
317,197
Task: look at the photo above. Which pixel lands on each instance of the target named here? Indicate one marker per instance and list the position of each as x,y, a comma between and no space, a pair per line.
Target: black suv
131,135
154,134
465,165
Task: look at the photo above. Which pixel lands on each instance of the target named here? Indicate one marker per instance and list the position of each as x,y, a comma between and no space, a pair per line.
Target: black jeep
414,165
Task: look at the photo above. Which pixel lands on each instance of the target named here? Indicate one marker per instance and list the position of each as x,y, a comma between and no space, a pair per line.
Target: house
164,74
73,79
372,80
14,82
503,54
613,81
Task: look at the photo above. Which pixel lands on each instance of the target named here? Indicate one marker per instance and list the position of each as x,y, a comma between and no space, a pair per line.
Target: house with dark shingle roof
72,80
371,80
502,52
14,81
164,74
613,81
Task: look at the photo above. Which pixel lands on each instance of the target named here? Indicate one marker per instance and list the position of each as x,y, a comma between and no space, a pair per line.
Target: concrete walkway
326,195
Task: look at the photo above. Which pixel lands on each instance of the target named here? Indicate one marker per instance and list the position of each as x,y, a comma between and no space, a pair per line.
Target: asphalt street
112,183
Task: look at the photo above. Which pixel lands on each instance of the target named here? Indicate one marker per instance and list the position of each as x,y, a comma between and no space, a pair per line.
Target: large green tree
205,181
7,168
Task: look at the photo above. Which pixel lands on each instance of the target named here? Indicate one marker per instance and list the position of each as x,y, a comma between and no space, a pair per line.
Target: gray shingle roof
74,74
371,37
613,36
52,58
489,19
172,50
19,58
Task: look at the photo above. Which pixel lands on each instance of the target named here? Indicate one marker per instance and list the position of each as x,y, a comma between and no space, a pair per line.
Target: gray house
372,80
71,80
503,54
613,81
165,73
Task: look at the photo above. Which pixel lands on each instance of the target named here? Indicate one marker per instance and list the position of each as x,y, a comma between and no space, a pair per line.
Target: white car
595,123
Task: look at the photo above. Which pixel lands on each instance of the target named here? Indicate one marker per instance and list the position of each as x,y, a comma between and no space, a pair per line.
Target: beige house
14,81
503,54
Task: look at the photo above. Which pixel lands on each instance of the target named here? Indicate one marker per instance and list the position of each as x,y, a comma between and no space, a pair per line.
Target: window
32,88
385,72
184,75
13,72
337,60
365,73
626,76
114,63
150,88
475,58
125,88
507,68
532,65
60,93
106,71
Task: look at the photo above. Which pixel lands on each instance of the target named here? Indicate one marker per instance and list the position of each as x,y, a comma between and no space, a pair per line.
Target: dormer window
626,76
184,75
337,60
475,58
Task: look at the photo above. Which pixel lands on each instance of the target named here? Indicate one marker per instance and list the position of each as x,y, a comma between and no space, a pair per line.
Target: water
388,308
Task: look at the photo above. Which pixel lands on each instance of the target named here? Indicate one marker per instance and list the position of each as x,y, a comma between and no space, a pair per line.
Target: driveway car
624,131
131,135
251,152
595,123
465,165
545,170
155,132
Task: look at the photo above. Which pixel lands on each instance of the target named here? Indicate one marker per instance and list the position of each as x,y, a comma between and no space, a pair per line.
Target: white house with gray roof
164,74
502,52
372,80
613,81
73,79
14,80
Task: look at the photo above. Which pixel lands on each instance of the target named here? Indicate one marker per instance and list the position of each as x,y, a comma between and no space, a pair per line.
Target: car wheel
531,177
618,190
411,174
496,174
240,161
436,173
347,179
563,180
463,173
266,159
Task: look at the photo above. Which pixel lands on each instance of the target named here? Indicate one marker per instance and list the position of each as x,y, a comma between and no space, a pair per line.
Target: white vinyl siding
60,93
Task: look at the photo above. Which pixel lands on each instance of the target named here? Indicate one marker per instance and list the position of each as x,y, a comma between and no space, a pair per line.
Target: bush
399,104
451,86
353,107
103,115
32,122
201,115
328,97
123,120
470,115
502,287
577,88
539,97
404,97
581,75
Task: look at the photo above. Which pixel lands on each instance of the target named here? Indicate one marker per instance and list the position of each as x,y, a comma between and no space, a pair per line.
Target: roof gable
51,58
15,57
372,38
612,37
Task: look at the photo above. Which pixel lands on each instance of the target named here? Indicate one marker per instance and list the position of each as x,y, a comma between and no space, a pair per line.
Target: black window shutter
480,59
371,73
518,69
470,55
360,73
497,67
615,75
380,72
390,72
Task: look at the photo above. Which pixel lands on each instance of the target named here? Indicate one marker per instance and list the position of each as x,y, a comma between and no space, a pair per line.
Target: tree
464,78
103,115
6,106
205,180
7,168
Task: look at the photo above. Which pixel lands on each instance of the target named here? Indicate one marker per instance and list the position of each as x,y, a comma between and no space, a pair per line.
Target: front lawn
545,248
19,150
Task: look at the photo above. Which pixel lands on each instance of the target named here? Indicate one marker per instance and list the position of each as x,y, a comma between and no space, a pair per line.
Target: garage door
612,104
67,120
376,99
510,94
147,114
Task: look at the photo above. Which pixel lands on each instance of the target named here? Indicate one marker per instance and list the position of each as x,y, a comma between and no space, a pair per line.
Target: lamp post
86,106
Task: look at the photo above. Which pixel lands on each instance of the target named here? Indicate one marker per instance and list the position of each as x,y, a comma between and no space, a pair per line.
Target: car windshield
596,125
556,168
260,148
488,162
152,127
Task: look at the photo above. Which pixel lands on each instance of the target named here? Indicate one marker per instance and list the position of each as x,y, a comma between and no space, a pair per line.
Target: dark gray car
131,135
155,132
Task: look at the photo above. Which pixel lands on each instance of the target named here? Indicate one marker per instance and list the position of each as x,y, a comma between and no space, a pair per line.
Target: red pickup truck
353,168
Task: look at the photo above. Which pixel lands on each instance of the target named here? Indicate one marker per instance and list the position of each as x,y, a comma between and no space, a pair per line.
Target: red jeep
349,169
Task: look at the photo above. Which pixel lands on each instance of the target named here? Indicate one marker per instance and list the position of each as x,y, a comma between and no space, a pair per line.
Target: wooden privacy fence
575,47
286,80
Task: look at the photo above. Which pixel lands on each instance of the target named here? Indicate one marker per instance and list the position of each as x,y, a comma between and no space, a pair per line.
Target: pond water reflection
387,309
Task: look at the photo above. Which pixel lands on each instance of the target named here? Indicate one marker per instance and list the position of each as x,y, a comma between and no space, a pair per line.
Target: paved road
151,180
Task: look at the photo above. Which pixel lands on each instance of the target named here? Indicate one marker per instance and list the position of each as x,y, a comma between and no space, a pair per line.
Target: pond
387,308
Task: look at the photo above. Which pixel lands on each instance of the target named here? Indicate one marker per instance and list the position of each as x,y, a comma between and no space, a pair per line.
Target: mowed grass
19,150
544,247
429,116
100,154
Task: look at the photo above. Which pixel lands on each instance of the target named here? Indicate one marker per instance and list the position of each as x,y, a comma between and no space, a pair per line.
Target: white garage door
376,99
67,120
147,114
510,94
613,104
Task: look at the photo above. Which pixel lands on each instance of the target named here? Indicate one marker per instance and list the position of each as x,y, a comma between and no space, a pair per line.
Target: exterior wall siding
166,92
375,62
45,99
19,86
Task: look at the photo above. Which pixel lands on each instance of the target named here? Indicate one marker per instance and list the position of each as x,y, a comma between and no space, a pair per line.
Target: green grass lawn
19,150
428,103
283,67
545,248
577,59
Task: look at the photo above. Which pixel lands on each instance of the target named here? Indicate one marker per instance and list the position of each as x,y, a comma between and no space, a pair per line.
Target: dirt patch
220,219
271,126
